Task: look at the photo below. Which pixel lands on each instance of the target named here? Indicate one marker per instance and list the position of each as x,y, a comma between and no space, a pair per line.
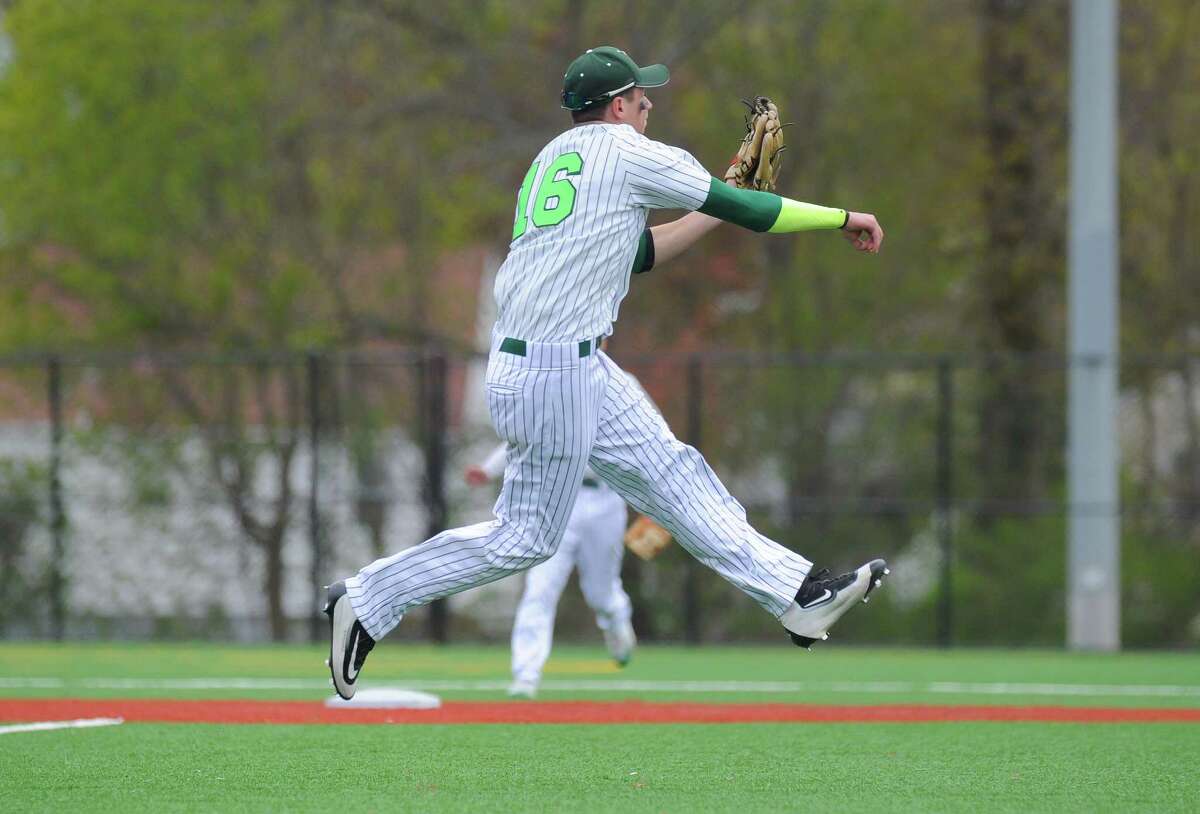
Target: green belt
592,482
517,346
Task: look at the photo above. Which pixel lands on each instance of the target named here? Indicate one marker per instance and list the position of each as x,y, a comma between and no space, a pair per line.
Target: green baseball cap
601,73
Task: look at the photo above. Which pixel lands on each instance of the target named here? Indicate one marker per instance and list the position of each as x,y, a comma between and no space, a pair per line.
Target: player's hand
864,232
475,476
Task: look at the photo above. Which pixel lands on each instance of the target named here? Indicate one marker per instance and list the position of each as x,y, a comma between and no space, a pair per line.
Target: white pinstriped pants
558,413
592,543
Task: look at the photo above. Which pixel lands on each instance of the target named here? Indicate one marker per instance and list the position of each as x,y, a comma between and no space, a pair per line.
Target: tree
1018,291
150,200
20,511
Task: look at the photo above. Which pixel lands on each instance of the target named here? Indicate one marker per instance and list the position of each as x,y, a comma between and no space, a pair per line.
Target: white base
386,698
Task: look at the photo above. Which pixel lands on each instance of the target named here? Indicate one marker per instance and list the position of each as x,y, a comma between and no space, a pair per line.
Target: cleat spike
878,582
866,599
801,641
824,637
326,662
887,571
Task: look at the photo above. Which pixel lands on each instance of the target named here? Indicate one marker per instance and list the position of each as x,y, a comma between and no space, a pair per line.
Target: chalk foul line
43,726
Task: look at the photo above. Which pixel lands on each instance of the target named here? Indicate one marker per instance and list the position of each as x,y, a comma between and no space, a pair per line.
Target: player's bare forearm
674,238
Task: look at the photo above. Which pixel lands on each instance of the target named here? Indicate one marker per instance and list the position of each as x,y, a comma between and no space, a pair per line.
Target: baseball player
591,543
561,405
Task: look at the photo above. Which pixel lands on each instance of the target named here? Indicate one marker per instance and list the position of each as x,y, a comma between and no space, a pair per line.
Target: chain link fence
184,496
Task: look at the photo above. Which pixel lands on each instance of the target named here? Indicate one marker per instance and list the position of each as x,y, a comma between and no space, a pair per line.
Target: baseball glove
646,538
756,165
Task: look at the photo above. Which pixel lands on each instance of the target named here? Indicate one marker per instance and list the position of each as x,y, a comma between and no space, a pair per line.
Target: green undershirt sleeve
768,212
643,261
745,207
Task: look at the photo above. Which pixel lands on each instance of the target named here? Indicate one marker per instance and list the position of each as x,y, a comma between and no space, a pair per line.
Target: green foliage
1010,581
141,463
21,486
130,138
1160,187
152,184
166,162
1160,569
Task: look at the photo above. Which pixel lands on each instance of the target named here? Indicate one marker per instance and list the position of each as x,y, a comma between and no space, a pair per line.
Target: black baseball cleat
349,642
823,599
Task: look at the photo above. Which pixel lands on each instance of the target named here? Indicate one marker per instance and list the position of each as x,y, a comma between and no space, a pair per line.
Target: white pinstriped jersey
580,213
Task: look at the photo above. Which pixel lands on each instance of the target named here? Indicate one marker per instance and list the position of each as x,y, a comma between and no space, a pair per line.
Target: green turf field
950,766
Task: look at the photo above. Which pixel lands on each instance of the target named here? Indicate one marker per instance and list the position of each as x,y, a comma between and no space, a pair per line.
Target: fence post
58,520
313,370
945,499
695,431
433,412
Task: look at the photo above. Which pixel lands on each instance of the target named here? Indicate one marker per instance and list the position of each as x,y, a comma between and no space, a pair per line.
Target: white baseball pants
592,543
559,412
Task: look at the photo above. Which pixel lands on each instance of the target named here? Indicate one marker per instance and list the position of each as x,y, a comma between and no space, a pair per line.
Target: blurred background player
592,543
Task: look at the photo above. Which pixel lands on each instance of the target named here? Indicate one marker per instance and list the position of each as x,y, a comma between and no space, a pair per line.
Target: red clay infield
561,712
